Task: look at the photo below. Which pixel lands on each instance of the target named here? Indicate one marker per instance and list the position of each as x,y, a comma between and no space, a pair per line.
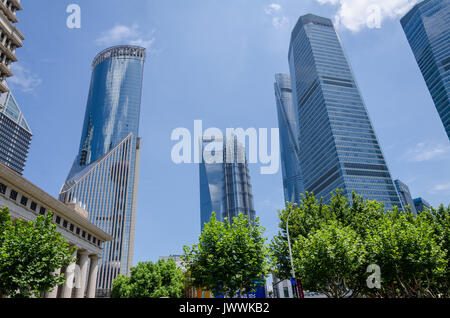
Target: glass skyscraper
225,186
427,27
104,175
15,134
287,122
337,144
405,196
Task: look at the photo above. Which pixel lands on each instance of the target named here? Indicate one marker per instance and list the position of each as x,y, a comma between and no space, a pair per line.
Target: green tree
330,259
230,258
30,253
334,244
150,280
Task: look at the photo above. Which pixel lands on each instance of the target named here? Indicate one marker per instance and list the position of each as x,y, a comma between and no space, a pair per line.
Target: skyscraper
225,187
11,39
427,27
287,122
421,205
405,196
104,176
15,134
337,144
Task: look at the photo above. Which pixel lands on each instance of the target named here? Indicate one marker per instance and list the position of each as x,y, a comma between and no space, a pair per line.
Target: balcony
3,89
5,71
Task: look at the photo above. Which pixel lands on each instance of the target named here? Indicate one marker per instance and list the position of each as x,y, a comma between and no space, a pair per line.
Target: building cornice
52,204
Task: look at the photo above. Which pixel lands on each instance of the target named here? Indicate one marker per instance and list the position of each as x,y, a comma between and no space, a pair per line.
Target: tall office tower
225,186
104,176
427,27
405,196
15,134
10,39
421,205
337,144
287,122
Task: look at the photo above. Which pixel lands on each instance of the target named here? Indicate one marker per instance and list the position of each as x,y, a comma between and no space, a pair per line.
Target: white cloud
425,152
357,14
23,79
441,188
122,34
272,8
275,11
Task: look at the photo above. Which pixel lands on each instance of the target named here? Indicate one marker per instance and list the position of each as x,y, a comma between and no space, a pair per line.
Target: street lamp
300,291
289,240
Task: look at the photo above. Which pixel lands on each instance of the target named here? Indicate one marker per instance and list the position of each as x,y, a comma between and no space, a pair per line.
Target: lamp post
294,283
289,240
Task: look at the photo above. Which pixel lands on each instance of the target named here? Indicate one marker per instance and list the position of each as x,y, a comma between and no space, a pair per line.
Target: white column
54,292
92,282
81,281
70,276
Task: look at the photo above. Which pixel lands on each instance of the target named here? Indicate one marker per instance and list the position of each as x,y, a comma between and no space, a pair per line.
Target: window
2,188
24,201
99,242
89,237
58,220
71,227
94,240
13,195
84,234
286,292
33,206
42,211
78,231
65,223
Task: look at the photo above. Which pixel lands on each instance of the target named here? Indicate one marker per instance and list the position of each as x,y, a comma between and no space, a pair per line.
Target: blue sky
215,60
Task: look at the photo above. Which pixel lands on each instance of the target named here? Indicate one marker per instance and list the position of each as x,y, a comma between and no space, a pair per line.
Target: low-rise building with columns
26,201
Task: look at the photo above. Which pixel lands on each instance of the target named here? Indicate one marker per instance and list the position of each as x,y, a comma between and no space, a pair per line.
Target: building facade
427,27
10,39
290,156
104,175
405,196
15,134
26,201
421,205
225,186
337,143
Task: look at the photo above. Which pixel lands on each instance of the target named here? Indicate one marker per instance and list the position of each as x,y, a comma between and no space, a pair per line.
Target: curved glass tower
337,143
104,175
287,122
427,27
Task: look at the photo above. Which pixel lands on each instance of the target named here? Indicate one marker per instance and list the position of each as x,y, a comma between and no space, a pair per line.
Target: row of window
14,195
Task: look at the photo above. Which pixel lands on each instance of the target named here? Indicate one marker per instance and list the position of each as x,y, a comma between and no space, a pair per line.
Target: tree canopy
30,253
150,280
230,258
334,244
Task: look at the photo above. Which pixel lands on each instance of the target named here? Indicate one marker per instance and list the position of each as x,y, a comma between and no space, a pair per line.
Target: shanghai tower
104,175
337,143
287,122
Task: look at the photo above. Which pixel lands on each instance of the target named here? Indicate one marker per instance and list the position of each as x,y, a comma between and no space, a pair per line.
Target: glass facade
337,144
15,134
405,196
225,186
427,27
287,122
104,174
421,205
